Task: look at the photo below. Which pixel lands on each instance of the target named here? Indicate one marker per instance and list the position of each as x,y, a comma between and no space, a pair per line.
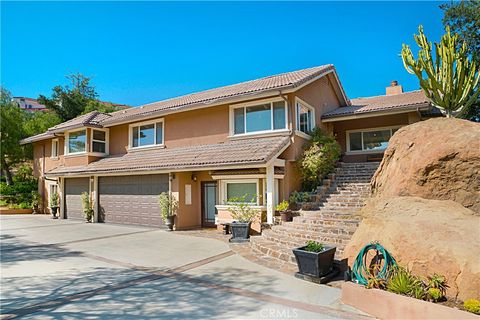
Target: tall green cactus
451,80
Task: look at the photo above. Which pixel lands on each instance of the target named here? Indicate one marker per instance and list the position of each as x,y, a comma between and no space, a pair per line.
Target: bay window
77,141
369,140
99,141
147,134
260,117
305,117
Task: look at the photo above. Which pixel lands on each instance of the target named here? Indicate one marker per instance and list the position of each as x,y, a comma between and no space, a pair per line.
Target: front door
209,200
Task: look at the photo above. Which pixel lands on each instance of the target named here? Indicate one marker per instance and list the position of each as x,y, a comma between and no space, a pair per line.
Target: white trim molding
107,142
56,147
244,105
144,123
348,132
67,142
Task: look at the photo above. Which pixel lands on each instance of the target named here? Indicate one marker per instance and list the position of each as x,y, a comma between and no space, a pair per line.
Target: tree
463,18
70,102
11,131
100,106
35,123
450,79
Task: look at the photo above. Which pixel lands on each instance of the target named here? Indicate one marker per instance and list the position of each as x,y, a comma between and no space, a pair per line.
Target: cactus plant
450,79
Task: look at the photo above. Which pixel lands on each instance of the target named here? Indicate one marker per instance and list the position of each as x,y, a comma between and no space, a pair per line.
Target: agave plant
438,282
402,281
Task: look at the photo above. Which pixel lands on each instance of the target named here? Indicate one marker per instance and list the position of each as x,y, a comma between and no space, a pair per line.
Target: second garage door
73,197
131,199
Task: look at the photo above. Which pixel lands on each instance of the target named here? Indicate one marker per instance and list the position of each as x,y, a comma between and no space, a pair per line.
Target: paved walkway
59,269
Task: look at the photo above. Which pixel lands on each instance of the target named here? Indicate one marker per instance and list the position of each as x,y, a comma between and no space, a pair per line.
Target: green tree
450,78
463,18
70,101
11,131
100,106
35,123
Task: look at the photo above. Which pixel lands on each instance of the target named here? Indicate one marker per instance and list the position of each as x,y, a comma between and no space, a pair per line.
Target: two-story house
210,146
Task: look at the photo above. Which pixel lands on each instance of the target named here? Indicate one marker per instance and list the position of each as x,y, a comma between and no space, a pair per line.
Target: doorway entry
209,201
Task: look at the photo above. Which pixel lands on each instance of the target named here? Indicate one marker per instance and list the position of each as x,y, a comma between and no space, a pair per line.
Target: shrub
24,174
435,294
168,205
282,206
472,305
21,205
54,200
314,246
438,282
402,281
87,206
299,197
241,210
318,159
3,203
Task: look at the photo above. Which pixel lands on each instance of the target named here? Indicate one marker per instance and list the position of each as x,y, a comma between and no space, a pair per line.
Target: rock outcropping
433,159
427,236
426,204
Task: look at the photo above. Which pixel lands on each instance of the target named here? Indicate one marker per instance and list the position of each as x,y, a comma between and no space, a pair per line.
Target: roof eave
375,113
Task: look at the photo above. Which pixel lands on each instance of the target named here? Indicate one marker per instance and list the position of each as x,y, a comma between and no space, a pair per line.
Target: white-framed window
305,116
247,189
258,117
369,140
146,134
75,142
99,141
55,148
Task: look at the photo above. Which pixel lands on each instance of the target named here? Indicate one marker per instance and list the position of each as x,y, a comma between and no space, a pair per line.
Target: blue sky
148,51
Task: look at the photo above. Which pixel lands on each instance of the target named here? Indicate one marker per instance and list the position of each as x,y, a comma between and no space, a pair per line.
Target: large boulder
428,236
434,159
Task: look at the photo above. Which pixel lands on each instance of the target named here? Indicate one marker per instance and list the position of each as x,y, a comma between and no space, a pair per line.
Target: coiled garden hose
360,269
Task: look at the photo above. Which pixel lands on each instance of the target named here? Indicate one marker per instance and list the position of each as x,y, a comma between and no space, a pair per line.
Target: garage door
131,199
73,202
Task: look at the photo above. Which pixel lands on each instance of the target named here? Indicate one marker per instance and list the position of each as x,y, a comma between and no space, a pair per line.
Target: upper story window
146,134
55,148
77,141
259,117
99,141
305,117
369,140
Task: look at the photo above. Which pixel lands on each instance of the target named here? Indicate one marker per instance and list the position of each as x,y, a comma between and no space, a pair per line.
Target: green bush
299,197
318,159
21,205
472,305
314,246
402,281
168,205
282,206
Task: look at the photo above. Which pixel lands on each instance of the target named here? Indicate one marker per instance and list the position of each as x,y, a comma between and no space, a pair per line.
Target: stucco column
94,197
61,197
270,181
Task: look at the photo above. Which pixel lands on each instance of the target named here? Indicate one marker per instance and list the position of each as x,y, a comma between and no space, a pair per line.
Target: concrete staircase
330,217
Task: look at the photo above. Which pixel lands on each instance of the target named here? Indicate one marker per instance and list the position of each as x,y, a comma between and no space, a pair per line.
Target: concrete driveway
59,269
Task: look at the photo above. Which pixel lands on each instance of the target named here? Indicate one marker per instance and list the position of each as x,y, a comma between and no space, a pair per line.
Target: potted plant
35,202
282,208
314,259
243,214
87,206
168,208
54,204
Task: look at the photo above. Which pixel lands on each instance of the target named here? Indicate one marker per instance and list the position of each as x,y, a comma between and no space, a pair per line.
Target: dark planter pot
286,216
240,231
315,264
54,212
170,222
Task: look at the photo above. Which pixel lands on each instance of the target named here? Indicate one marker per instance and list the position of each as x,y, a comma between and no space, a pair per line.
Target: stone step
299,230
294,242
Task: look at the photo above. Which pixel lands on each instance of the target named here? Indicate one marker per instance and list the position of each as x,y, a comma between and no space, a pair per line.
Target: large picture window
77,141
242,190
148,134
260,117
369,140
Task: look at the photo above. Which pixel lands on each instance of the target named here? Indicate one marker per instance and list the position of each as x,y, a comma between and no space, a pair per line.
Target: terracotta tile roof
91,119
38,137
404,101
276,82
236,152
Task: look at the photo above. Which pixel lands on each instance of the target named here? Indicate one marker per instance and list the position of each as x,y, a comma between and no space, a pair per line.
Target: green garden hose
360,269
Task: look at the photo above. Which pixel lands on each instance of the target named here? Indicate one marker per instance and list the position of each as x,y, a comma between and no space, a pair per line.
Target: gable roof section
407,101
253,151
289,80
